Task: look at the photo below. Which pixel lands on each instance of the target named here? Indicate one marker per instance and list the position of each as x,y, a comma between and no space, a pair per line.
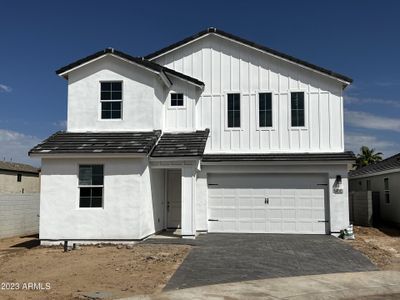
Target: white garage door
273,203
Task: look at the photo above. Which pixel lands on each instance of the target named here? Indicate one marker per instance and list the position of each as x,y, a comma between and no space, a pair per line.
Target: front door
174,199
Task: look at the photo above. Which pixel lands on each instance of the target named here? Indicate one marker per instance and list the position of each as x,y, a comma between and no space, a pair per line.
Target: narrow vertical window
368,185
265,109
176,99
91,180
111,100
297,108
19,177
386,190
233,110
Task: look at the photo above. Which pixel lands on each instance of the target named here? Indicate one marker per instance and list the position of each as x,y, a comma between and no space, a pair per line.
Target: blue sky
357,38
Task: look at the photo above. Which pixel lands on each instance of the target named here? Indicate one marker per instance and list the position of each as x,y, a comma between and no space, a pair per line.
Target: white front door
267,203
174,179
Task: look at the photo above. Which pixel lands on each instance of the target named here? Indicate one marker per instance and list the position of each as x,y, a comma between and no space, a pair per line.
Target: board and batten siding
227,67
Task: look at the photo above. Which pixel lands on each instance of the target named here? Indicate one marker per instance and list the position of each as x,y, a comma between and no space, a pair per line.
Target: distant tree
367,157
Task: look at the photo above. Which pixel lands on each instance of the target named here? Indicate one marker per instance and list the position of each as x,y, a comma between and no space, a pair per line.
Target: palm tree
367,156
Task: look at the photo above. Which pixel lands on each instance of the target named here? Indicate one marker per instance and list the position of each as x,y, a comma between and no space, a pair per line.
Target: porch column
188,201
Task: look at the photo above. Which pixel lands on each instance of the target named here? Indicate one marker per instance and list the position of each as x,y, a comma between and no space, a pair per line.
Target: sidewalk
326,286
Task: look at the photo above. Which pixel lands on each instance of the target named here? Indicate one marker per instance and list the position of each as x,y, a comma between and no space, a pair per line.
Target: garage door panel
239,202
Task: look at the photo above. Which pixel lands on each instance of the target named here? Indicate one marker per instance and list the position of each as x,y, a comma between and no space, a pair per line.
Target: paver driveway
223,258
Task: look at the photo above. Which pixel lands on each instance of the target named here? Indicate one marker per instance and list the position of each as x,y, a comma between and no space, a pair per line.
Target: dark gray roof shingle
280,157
17,167
387,164
99,142
181,144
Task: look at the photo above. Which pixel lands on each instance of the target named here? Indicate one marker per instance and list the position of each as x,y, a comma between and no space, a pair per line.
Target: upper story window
176,99
233,110
111,100
265,110
91,180
386,190
297,109
19,177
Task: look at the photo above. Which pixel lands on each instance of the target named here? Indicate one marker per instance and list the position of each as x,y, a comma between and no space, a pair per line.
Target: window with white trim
233,110
111,99
91,180
297,109
265,110
386,190
176,99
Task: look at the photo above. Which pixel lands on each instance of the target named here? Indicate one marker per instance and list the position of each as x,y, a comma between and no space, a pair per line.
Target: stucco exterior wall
127,212
30,183
389,211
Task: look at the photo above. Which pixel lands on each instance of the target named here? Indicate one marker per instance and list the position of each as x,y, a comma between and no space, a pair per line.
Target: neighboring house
211,134
382,179
19,199
18,178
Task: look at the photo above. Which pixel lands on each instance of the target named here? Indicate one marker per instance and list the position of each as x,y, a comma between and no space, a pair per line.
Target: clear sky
360,39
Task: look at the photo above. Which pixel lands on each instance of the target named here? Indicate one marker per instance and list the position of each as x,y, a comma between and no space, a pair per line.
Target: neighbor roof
99,142
341,156
391,163
17,167
235,38
181,144
137,60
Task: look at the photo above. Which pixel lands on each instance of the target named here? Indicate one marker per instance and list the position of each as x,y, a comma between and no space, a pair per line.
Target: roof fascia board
254,48
198,85
376,173
277,163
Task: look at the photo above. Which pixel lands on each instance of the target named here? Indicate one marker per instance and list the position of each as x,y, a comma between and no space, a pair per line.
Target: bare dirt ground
380,245
123,272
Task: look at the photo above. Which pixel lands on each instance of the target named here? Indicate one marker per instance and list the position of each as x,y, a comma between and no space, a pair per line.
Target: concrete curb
326,286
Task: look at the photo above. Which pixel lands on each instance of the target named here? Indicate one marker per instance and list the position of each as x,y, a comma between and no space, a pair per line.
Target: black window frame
19,177
233,110
297,110
386,188
263,120
111,99
177,100
91,188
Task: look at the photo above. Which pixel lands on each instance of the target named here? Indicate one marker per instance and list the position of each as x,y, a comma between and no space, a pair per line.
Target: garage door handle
213,220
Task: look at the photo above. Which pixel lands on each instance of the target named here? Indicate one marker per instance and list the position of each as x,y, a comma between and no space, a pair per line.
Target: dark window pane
106,114
176,99
97,180
295,120
230,102
84,202
301,118
106,86
116,86
262,118
116,105
174,102
97,192
105,95
116,114
180,102
98,169
97,202
236,119
236,105
116,95
106,105
85,192
268,119
262,102
230,119
85,175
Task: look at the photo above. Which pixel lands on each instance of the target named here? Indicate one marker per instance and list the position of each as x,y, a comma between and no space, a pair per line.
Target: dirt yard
380,245
117,271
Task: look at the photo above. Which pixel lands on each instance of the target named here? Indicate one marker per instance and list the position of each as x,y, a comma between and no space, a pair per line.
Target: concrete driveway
224,258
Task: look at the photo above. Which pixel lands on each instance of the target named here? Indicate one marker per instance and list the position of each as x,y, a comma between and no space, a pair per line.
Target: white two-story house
211,134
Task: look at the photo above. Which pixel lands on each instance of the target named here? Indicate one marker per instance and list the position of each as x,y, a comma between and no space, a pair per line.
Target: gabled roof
136,60
181,144
17,167
388,164
100,142
341,156
254,45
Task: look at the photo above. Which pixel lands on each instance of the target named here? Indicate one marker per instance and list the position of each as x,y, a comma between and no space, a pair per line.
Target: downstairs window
91,180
